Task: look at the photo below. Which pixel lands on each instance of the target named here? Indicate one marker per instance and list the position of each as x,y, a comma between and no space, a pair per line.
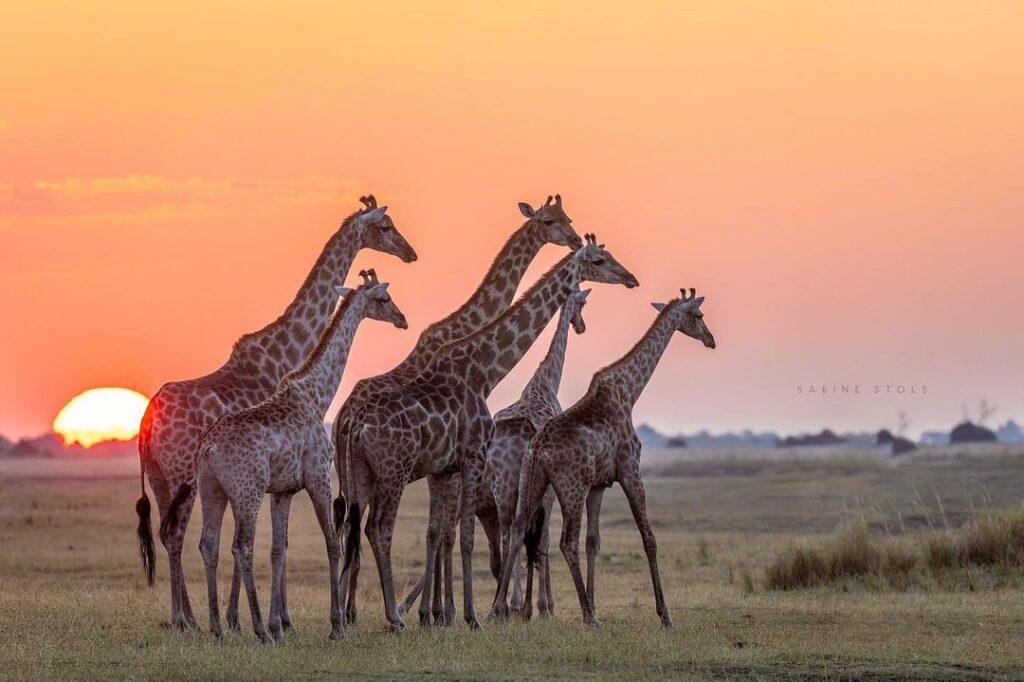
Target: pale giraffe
547,224
280,446
514,427
438,426
593,444
181,412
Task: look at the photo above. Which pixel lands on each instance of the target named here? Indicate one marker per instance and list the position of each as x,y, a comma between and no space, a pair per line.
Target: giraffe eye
384,227
549,221
598,261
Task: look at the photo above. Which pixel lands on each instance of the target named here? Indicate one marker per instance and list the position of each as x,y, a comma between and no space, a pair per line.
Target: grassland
73,603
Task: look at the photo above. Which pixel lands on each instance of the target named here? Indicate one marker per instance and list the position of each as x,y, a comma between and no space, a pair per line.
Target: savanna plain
74,603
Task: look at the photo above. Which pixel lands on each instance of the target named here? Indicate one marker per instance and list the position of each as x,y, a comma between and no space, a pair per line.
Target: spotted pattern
439,423
590,446
491,298
181,412
279,446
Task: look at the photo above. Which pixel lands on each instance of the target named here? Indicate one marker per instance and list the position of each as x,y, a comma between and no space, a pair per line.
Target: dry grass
992,542
73,604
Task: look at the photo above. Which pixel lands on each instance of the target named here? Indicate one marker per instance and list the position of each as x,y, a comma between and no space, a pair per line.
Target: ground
74,604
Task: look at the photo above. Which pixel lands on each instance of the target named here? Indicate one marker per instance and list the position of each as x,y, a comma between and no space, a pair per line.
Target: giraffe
547,224
514,426
438,426
279,446
593,444
182,411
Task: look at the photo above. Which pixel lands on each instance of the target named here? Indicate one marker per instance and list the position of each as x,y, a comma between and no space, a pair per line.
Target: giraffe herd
255,427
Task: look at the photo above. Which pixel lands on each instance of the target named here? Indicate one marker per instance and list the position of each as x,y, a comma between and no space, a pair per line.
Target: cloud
145,197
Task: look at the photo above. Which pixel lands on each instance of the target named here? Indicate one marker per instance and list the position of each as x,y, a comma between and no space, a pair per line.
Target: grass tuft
991,541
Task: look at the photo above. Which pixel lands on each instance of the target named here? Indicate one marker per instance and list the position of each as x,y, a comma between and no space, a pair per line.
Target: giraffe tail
531,540
147,549
339,512
170,521
144,510
352,545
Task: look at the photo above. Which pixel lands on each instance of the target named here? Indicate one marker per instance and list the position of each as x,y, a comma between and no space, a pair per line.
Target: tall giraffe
438,426
593,444
514,427
182,411
547,224
279,446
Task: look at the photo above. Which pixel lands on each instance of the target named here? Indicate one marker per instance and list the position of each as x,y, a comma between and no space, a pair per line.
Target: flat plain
74,604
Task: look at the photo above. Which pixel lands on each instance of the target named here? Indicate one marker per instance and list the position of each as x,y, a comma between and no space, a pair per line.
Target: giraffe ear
342,291
582,295
658,306
693,304
526,209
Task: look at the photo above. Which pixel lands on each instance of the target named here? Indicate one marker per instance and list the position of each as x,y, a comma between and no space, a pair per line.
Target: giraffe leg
173,538
214,501
437,486
380,528
442,569
320,494
571,502
236,587
449,520
410,598
593,538
545,600
492,529
245,514
280,505
349,581
472,473
529,500
634,489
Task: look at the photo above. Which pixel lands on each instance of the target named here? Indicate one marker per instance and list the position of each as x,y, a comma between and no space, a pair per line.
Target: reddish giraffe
593,444
181,412
438,426
547,224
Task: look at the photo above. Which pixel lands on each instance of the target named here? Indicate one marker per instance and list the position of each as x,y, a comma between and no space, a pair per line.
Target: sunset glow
851,167
101,414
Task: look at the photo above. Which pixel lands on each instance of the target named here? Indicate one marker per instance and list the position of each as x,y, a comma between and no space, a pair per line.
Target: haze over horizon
841,181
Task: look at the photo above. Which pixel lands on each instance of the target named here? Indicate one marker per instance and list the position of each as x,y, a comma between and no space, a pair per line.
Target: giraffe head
378,232
379,305
692,322
599,265
552,221
575,306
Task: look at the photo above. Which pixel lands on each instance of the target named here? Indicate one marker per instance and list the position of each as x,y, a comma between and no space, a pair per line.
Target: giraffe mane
520,302
469,301
245,339
666,311
325,336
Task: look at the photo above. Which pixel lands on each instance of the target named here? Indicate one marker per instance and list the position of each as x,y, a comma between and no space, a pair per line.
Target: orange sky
841,180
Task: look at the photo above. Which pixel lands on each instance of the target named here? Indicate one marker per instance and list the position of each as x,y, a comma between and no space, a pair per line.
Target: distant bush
992,541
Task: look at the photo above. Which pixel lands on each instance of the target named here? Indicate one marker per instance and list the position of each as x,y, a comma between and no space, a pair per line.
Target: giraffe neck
318,378
491,353
630,374
491,298
543,385
268,354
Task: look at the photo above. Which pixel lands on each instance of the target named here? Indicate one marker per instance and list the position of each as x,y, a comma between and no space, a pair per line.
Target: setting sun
101,414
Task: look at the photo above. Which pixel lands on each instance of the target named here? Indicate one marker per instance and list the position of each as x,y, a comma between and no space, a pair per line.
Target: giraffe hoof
397,626
473,624
667,624
234,625
594,623
287,626
337,633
